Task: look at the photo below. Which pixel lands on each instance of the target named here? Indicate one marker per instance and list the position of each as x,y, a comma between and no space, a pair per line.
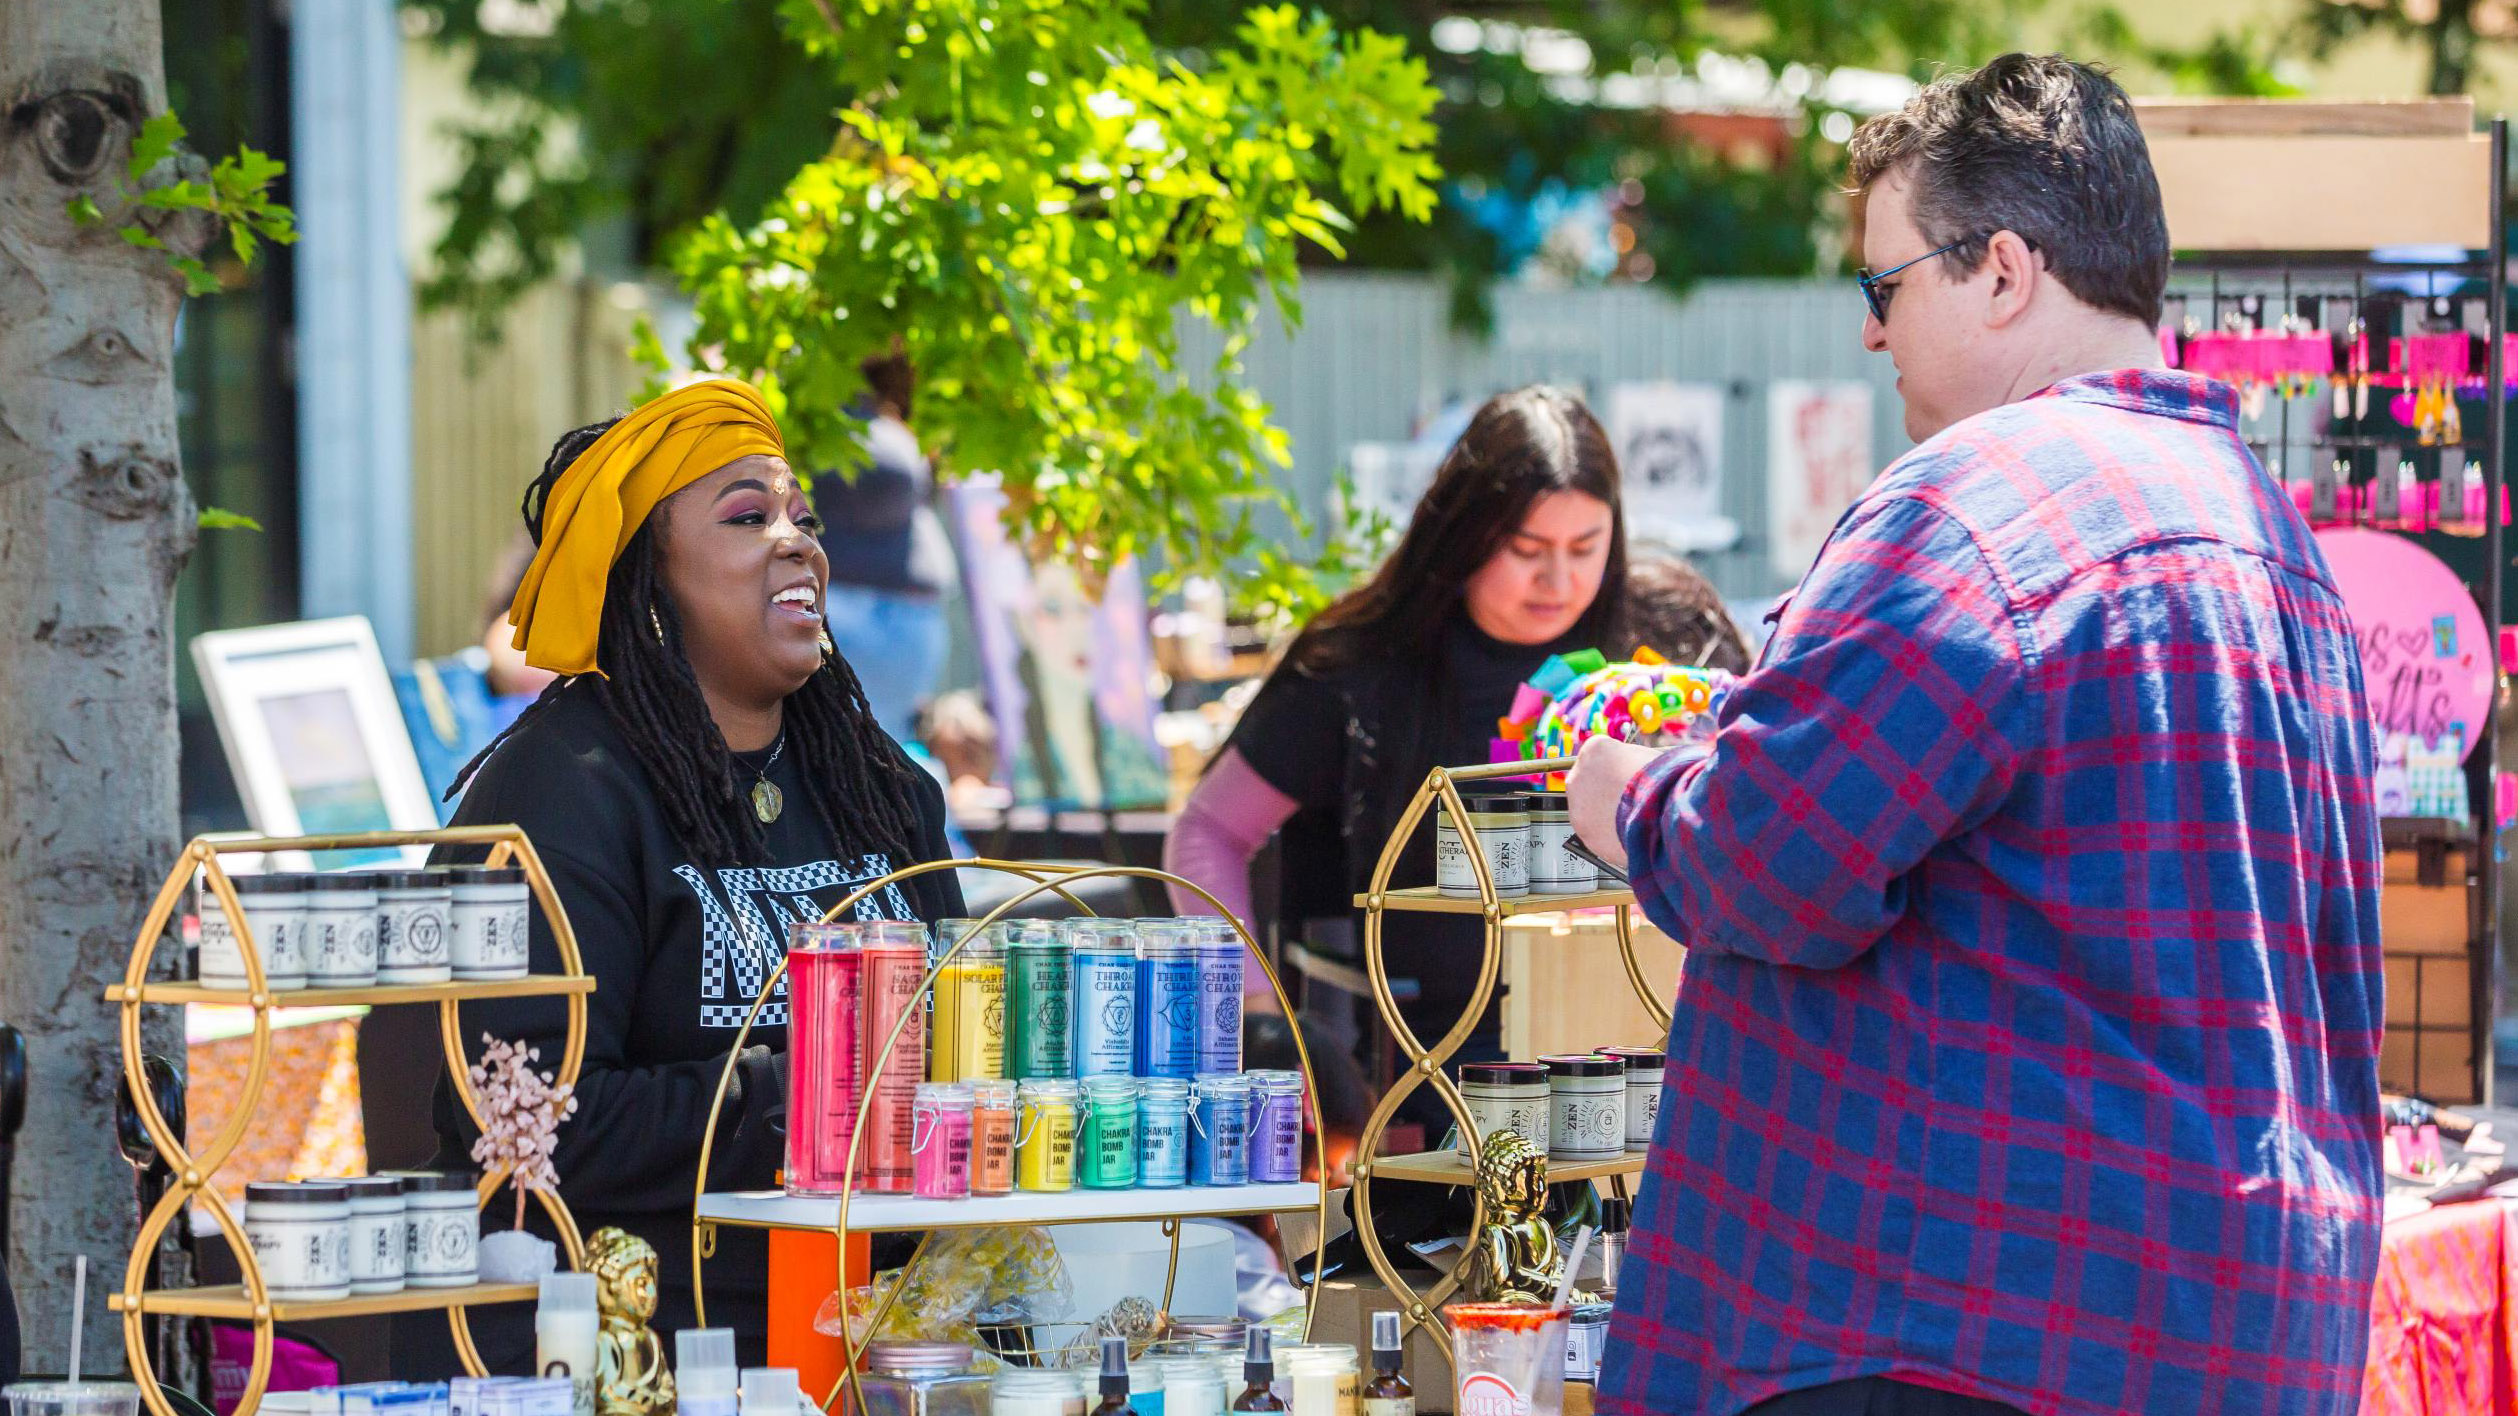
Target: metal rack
1425,1064
250,1300
853,1213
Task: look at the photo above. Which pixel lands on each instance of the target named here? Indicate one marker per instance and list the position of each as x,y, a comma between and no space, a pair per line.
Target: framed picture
313,734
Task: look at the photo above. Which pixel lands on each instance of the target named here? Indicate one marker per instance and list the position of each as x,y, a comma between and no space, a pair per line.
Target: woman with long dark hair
704,771
1516,552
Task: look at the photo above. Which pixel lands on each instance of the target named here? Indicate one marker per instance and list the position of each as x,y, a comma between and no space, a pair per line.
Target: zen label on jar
1507,850
302,1256
442,1244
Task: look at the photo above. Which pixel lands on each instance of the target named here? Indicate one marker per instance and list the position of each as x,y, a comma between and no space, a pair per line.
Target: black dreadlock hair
654,699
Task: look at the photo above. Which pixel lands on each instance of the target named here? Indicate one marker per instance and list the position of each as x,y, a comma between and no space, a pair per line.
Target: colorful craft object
1576,697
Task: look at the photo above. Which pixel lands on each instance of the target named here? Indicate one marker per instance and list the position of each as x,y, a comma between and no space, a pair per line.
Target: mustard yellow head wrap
592,510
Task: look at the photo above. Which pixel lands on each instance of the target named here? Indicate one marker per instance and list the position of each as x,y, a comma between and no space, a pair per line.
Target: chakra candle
939,1141
1105,996
1167,999
1276,1129
969,1024
1039,1002
895,954
1163,1133
1044,1137
1220,959
1106,1146
824,1031
1219,1131
992,1136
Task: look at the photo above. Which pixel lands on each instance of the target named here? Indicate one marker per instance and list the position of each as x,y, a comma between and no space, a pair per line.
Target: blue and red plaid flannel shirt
2027,1043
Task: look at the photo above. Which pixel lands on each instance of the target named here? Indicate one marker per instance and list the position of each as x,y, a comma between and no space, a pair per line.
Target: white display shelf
772,1209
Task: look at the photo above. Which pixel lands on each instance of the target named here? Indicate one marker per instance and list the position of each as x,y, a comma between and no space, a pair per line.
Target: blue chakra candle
1167,1000
1105,996
1163,1130
1219,1131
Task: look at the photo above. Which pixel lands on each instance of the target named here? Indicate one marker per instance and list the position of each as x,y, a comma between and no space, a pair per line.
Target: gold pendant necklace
767,800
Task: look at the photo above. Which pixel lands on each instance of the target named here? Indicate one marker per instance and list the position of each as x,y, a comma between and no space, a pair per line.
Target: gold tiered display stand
1425,1065
250,1301
853,1213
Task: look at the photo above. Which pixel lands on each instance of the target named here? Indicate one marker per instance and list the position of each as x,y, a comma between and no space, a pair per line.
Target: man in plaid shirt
2026,1053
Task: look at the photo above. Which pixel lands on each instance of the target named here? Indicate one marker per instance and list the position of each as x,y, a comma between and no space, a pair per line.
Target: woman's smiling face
740,552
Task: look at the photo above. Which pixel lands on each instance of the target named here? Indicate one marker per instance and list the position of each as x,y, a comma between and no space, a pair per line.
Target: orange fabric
307,1121
800,1274
2443,1318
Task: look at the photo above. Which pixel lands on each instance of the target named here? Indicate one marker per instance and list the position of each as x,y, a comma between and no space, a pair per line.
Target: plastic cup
72,1398
1508,1359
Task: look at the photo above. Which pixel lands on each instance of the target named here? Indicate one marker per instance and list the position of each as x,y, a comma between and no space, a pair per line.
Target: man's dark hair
2040,146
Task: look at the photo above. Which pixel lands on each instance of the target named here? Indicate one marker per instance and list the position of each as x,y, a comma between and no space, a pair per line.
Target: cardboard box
1343,1312
2437,1065
2413,919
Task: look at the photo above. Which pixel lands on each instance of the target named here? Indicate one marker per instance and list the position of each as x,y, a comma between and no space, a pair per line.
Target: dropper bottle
1114,1379
1259,1373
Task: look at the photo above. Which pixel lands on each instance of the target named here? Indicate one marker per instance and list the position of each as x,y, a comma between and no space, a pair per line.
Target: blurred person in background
890,558
1515,552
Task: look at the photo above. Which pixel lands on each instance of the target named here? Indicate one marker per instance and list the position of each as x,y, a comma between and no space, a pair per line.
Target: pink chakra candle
895,955
825,1032
940,1141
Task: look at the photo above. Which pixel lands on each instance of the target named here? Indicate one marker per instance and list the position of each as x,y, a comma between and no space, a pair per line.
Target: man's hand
1601,771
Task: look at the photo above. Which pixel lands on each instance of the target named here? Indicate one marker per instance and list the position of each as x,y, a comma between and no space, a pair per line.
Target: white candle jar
340,936
275,910
1020,1391
441,1229
492,916
1645,1067
1505,1096
1555,870
1501,827
378,1237
300,1235
412,909
1586,1107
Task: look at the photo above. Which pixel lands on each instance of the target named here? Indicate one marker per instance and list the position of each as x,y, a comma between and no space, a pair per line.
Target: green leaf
154,143
139,236
220,519
198,279
83,211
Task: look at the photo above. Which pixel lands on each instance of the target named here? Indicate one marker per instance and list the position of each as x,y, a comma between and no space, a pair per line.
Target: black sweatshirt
678,953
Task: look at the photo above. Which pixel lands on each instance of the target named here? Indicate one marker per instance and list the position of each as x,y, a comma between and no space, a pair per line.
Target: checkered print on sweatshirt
2027,1043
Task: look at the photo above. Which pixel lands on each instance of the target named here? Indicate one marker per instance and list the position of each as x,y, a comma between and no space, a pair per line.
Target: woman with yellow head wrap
703,773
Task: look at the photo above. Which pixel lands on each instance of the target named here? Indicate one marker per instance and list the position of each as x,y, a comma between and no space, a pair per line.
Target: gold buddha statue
631,1378
1517,1259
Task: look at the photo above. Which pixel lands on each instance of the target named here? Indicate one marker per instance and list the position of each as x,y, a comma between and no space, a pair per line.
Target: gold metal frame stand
1045,877
250,1300
1425,1064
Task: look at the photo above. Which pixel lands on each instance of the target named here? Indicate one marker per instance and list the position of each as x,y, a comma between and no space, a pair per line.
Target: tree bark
94,524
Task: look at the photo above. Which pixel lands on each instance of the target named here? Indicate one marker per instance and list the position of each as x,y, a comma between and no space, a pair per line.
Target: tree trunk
94,524
2452,48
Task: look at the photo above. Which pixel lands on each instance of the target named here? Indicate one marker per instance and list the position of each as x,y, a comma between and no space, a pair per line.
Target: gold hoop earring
655,623
829,650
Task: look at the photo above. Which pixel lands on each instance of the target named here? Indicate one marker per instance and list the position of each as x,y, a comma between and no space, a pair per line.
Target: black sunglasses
1876,289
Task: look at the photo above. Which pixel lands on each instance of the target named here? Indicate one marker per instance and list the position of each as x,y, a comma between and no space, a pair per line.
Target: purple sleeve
1227,819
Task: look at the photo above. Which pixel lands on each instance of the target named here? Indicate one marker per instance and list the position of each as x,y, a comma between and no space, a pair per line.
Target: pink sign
2425,655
